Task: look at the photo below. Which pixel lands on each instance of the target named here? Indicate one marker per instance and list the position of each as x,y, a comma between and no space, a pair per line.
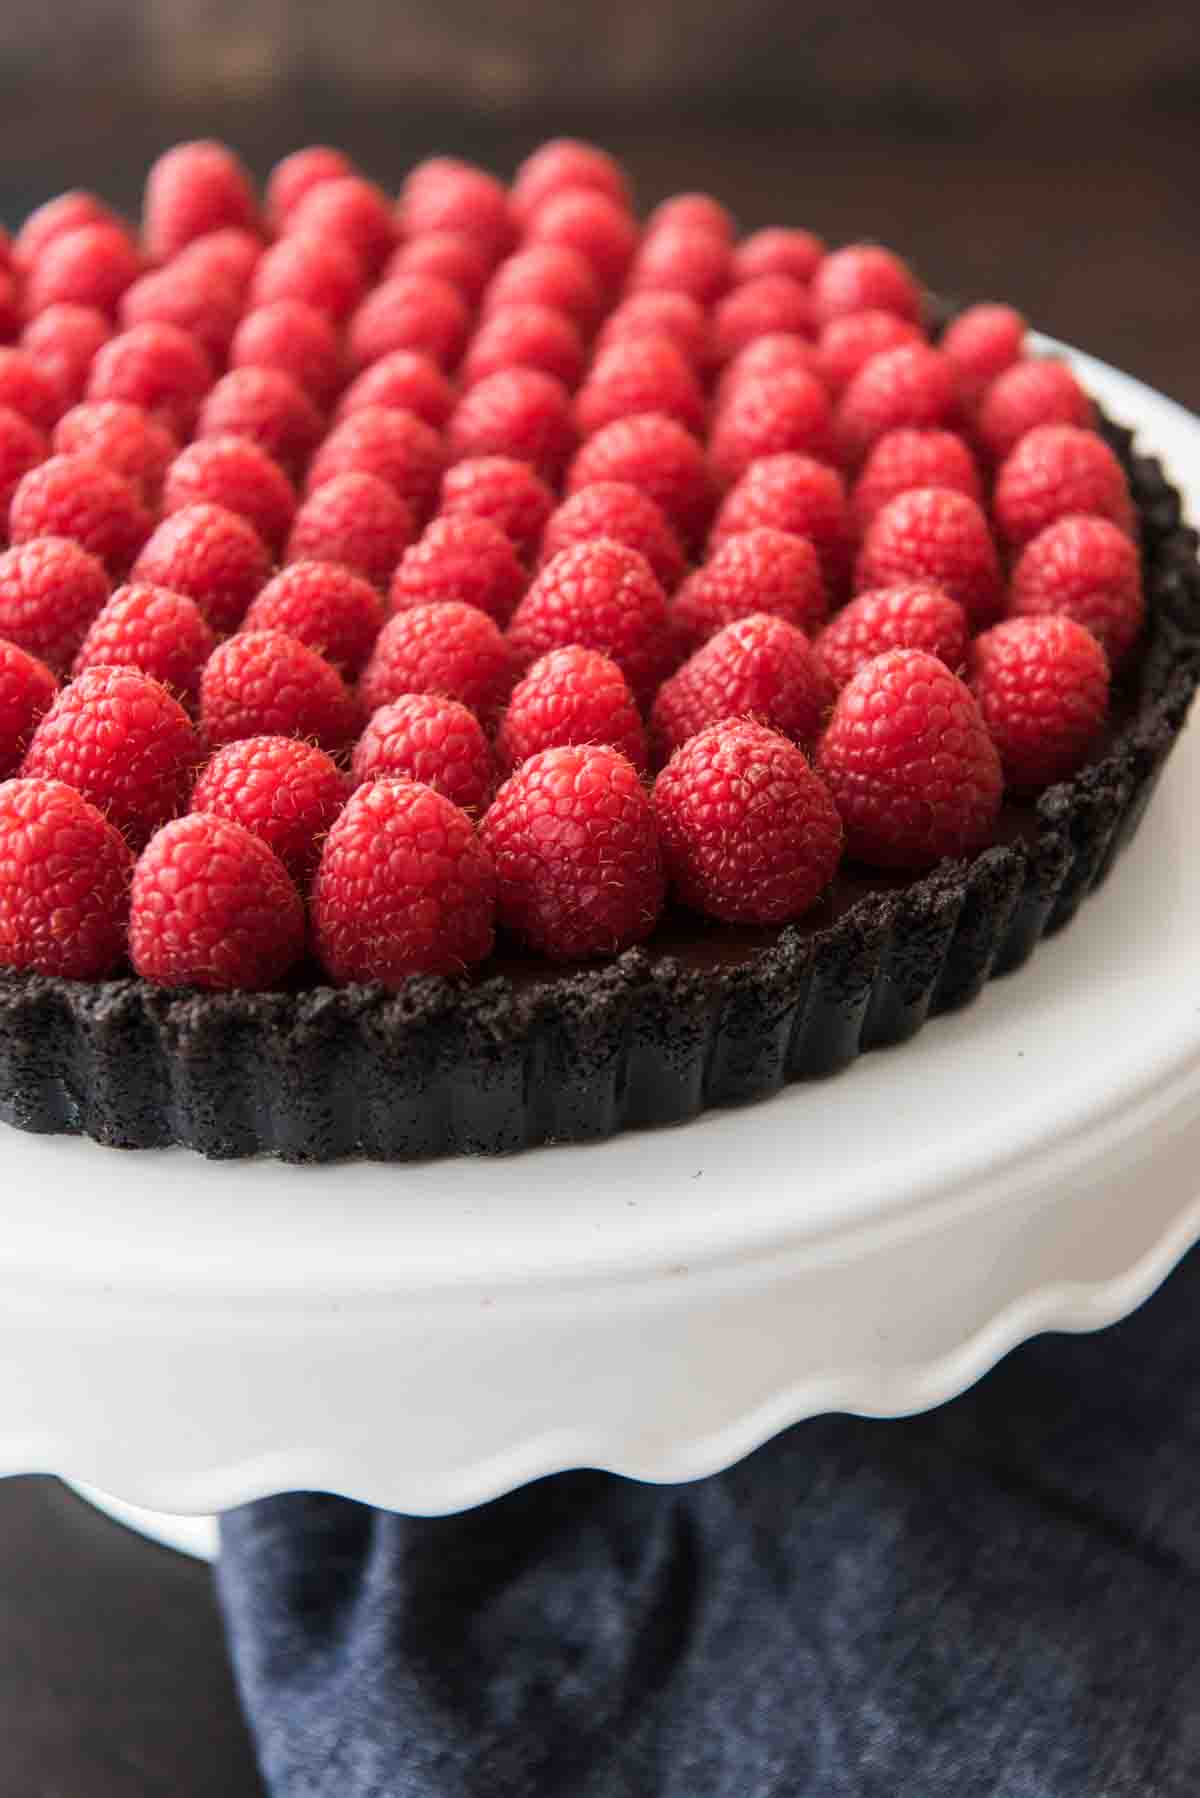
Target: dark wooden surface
113,1682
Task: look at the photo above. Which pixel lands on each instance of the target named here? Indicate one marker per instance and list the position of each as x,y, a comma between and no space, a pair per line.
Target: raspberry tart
477,670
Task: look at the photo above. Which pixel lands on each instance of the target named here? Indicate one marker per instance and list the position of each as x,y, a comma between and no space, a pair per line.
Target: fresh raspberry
354,519
66,212
459,261
778,352
1086,569
404,381
119,738
410,312
436,741
211,555
673,315
236,474
89,267
267,408
519,412
645,374
49,593
571,696
753,571
768,416
547,274
907,458
659,457
292,179
284,792
601,230
776,251
191,190
1053,471
934,534
322,272
331,609
848,343
123,437
913,617
578,865
443,647
77,497
403,887
27,690
461,558
504,491
297,340
691,212
749,832
64,882
981,343
797,494
692,262
228,258
25,389
353,211
525,337
62,342
1041,685
397,446
22,447
910,764
562,165
1026,395
189,299
445,194
267,684
158,367
912,387
767,305
616,510
758,667
158,632
864,278
600,595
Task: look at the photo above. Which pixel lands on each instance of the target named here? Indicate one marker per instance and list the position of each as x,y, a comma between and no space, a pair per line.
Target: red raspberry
49,593
322,272
907,458
442,647
525,337
775,251
912,387
1027,395
66,212
436,741
600,595
236,474
62,342
659,457
404,381
267,684
864,278
228,258
296,339
331,609
1053,471
692,212
848,343
158,632
519,412
445,194
211,555
157,367
502,490
753,571
910,764
749,832
461,558
1041,685
76,497
673,315
354,519
601,230
266,407
27,690
120,739
563,165
191,190
297,175
768,305
547,274
644,374
616,510
353,211
578,865
768,416
89,267
571,696
22,447
758,667
934,534
403,887
25,389
397,446
692,262
410,312
795,494
448,255
189,299
914,617
1086,569
64,882
777,353
123,437
10,307
284,792
981,343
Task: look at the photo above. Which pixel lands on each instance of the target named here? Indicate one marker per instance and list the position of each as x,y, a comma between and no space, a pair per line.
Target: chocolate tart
701,1016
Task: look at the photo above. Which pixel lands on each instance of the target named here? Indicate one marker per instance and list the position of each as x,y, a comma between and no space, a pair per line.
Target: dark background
1047,154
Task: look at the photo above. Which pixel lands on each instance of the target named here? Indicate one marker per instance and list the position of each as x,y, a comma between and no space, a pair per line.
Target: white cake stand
186,1335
